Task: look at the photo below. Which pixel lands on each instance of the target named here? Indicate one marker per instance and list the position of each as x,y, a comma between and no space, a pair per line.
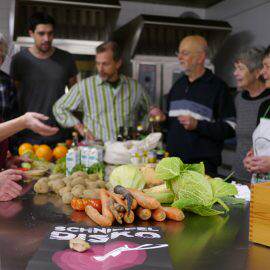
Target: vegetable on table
80,204
173,213
129,217
126,194
144,200
159,214
192,189
143,213
128,176
106,218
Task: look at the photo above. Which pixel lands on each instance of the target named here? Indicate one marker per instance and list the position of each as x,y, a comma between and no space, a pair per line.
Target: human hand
247,160
14,162
9,189
188,122
84,132
260,164
32,120
156,112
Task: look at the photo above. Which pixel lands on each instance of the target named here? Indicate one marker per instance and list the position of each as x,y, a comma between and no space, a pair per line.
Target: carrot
134,204
173,213
118,198
129,217
143,213
115,212
144,200
126,194
159,214
97,217
119,208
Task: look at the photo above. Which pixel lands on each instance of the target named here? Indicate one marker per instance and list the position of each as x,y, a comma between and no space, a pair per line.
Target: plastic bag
120,152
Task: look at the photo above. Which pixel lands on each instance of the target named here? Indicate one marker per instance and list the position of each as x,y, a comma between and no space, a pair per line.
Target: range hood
92,20
160,36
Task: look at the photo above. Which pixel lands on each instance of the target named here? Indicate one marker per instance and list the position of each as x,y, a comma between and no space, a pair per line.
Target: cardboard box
259,222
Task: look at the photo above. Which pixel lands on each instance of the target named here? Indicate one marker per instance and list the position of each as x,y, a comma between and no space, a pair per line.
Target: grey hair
3,46
252,57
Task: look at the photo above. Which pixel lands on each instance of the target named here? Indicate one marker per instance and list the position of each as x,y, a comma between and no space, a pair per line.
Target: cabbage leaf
169,168
222,189
128,176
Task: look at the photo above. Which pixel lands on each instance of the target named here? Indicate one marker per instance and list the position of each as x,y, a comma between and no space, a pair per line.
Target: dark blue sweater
208,100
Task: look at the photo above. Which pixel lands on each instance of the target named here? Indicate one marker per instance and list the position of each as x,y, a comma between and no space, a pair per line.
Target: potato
79,244
77,190
91,194
46,179
56,176
77,181
41,186
67,179
64,190
56,185
79,174
67,197
92,185
101,184
93,177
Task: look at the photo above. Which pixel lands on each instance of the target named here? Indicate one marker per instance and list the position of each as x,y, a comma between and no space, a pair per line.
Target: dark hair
266,52
40,18
110,45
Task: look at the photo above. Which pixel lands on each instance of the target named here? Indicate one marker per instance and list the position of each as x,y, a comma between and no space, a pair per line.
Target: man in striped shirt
108,100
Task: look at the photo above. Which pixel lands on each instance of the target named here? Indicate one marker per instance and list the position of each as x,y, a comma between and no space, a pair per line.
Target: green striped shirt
104,108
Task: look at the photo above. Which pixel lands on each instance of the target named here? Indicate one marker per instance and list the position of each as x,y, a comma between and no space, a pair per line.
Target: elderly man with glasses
201,114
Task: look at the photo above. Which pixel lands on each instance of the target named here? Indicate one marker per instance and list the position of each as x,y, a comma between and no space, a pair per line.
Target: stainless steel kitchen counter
218,242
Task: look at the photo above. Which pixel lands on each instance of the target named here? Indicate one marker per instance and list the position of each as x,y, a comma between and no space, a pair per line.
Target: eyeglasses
183,53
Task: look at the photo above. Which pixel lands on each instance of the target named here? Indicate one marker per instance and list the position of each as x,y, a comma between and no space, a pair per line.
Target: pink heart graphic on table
72,260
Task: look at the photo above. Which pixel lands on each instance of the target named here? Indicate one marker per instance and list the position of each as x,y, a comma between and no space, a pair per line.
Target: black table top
203,243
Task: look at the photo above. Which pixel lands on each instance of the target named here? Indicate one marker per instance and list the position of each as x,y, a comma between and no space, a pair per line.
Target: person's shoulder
20,55
4,75
63,53
87,82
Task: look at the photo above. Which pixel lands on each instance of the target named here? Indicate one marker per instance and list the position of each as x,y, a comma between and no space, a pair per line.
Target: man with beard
201,114
41,74
108,100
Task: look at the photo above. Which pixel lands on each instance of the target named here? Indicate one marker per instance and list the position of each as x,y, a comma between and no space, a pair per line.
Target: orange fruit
60,151
44,152
25,147
68,143
36,146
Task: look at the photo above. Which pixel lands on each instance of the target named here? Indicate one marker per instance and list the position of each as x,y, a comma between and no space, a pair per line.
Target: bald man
200,111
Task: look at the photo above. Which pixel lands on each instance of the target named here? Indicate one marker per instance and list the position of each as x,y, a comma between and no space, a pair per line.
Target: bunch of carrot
124,204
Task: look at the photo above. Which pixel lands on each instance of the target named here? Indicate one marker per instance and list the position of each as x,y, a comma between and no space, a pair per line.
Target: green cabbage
196,167
169,168
128,176
192,190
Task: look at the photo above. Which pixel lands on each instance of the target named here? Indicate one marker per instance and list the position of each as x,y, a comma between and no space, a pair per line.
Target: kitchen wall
4,16
251,27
